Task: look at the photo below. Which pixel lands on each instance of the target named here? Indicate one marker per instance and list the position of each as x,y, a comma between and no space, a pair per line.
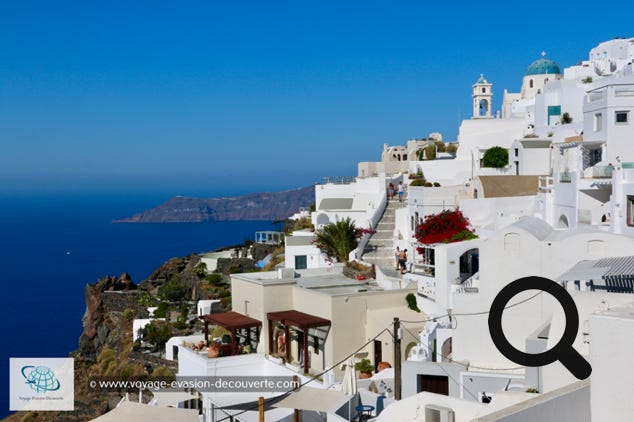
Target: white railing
339,180
427,288
470,285
357,253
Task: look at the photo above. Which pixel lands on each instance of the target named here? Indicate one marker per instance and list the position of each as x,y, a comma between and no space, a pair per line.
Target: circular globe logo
40,378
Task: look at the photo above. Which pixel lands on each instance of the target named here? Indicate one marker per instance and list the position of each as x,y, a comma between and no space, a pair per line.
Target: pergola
299,320
233,321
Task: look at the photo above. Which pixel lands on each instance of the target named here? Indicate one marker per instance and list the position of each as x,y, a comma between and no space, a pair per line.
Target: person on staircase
403,261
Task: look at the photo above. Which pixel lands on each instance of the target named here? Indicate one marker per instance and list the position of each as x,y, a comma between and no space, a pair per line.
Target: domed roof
481,80
543,66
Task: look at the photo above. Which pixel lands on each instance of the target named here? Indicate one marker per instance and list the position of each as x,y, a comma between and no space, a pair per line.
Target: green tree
161,310
440,146
173,290
566,118
338,239
147,300
452,148
157,332
201,269
430,152
215,279
496,157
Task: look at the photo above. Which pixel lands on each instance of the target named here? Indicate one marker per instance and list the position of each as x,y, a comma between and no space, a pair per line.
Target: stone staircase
379,250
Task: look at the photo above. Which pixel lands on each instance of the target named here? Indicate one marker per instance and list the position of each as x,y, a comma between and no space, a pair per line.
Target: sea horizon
54,244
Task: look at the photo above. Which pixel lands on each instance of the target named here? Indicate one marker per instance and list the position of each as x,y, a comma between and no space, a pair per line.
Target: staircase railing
357,253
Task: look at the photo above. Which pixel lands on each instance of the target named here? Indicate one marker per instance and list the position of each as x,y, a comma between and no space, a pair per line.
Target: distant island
266,206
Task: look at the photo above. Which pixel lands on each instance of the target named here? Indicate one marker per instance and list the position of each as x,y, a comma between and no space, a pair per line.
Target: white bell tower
482,96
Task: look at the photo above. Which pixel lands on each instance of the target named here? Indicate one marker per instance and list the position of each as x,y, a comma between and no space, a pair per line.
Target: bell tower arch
482,96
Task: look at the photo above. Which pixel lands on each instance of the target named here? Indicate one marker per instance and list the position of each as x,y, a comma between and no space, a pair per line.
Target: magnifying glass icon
563,350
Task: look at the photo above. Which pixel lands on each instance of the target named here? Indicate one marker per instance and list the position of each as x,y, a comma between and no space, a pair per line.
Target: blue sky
147,95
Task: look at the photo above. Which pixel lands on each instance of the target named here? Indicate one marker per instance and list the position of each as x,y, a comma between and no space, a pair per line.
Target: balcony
339,180
424,269
598,172
596,95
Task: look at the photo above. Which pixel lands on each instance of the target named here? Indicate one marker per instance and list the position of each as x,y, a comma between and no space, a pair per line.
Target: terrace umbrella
349,384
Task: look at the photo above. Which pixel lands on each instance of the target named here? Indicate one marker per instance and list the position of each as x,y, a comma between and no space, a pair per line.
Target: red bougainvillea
445,227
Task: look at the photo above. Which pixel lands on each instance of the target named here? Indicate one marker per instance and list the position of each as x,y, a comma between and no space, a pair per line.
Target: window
516,151
621,117
630,210
484,90
432,383
598,122
530,83
301,262
595,156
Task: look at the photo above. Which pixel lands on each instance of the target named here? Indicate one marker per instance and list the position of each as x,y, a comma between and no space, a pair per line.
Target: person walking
400,191
403,261
391,191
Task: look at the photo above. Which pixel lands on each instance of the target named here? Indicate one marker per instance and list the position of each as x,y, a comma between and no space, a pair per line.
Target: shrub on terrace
338,239
445,227
496,157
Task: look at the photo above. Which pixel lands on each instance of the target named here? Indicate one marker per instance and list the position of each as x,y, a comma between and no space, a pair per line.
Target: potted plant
365,368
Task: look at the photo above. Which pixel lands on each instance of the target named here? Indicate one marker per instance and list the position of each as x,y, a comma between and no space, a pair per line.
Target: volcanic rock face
105,302
257,206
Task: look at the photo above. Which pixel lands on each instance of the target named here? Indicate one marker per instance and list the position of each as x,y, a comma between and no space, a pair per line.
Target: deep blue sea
52,245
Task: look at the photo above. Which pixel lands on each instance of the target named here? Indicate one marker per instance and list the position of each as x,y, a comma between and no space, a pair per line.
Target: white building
562,209
359,199
612,371
301,253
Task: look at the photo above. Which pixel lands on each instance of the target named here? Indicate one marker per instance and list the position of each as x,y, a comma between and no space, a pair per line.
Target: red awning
298,319
231,320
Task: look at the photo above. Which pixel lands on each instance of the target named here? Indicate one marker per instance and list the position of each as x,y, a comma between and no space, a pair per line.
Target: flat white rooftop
248,366
328,281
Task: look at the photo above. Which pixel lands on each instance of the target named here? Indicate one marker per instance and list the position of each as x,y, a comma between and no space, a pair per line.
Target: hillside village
544,187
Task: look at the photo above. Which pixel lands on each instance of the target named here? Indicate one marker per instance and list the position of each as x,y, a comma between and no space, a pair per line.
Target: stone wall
235,265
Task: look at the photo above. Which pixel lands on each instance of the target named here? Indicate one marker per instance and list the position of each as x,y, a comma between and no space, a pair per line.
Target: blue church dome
543,66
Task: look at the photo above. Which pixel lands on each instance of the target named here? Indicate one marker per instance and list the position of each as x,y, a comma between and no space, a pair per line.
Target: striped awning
614,274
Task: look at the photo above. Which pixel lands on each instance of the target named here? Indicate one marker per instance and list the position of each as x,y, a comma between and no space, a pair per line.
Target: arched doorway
446,350
563,222
409,348
483,107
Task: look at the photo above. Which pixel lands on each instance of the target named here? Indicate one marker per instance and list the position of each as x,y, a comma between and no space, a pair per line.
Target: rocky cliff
257,206
105,327
105,345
